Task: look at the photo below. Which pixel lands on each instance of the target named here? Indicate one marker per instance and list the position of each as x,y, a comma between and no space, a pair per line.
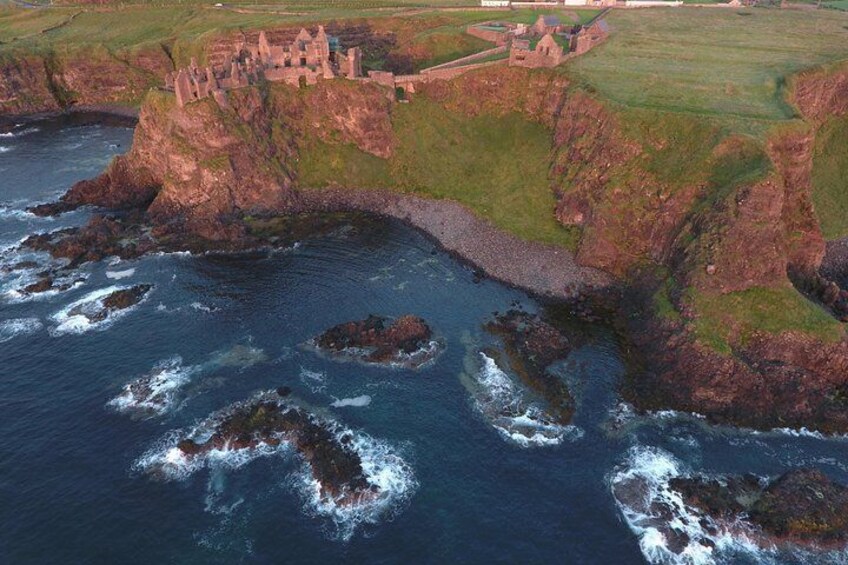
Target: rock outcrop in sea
406,341
348,476
686,517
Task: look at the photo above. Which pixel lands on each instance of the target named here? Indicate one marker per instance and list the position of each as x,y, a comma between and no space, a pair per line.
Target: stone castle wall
305,60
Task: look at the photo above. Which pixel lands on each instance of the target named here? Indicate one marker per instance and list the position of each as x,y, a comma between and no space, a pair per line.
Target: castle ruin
305,60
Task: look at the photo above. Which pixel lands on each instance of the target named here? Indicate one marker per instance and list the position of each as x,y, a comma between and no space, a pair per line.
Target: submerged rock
156,392
511,409
406,341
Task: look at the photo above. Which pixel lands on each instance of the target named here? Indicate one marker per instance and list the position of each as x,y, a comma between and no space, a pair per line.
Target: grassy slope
732,318
830,178
498,166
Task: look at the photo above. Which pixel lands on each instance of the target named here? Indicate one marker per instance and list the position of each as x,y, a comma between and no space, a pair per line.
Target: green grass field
711,61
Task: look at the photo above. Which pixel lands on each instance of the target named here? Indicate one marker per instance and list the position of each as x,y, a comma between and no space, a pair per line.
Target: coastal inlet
348,393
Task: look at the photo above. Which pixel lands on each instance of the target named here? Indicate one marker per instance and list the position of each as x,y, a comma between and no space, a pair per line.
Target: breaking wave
118,275
669,531
11,212
502,402
10,329
19,133
166,461
156,392
15,289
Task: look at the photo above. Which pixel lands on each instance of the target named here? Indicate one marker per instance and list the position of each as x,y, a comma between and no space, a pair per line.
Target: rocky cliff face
25,87
721,346
706,256
202,168
628,215
821,93
35,84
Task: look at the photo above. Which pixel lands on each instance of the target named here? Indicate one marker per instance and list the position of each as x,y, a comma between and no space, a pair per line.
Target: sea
458,486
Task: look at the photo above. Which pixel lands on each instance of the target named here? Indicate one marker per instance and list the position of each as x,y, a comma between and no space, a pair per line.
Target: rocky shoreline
684,290
544,270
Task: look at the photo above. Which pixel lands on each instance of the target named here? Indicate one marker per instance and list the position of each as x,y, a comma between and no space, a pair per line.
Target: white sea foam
422,357
196,306
203,308
802,432
504,404
669,531
118,275
156,392
69,323
382,466
5,148
11,212
676,415
10,329
19,133
357,401
623,415
315,380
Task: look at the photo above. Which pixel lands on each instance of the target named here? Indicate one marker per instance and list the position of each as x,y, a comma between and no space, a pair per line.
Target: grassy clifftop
496,165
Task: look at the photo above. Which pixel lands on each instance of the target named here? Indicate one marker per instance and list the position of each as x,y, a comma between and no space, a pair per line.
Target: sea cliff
706,242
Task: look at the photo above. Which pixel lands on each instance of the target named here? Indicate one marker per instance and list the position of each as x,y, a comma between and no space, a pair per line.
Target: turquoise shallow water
72,481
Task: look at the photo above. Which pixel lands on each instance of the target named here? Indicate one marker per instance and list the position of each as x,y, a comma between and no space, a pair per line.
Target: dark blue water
71,484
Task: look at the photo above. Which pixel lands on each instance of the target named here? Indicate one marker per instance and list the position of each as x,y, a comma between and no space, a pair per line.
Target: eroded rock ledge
678,513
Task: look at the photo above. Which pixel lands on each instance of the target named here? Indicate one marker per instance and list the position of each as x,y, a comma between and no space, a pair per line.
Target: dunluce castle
303,61
308,59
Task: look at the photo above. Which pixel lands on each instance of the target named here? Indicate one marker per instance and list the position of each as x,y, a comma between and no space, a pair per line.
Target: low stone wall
452,72
544,270
497,37
464,61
